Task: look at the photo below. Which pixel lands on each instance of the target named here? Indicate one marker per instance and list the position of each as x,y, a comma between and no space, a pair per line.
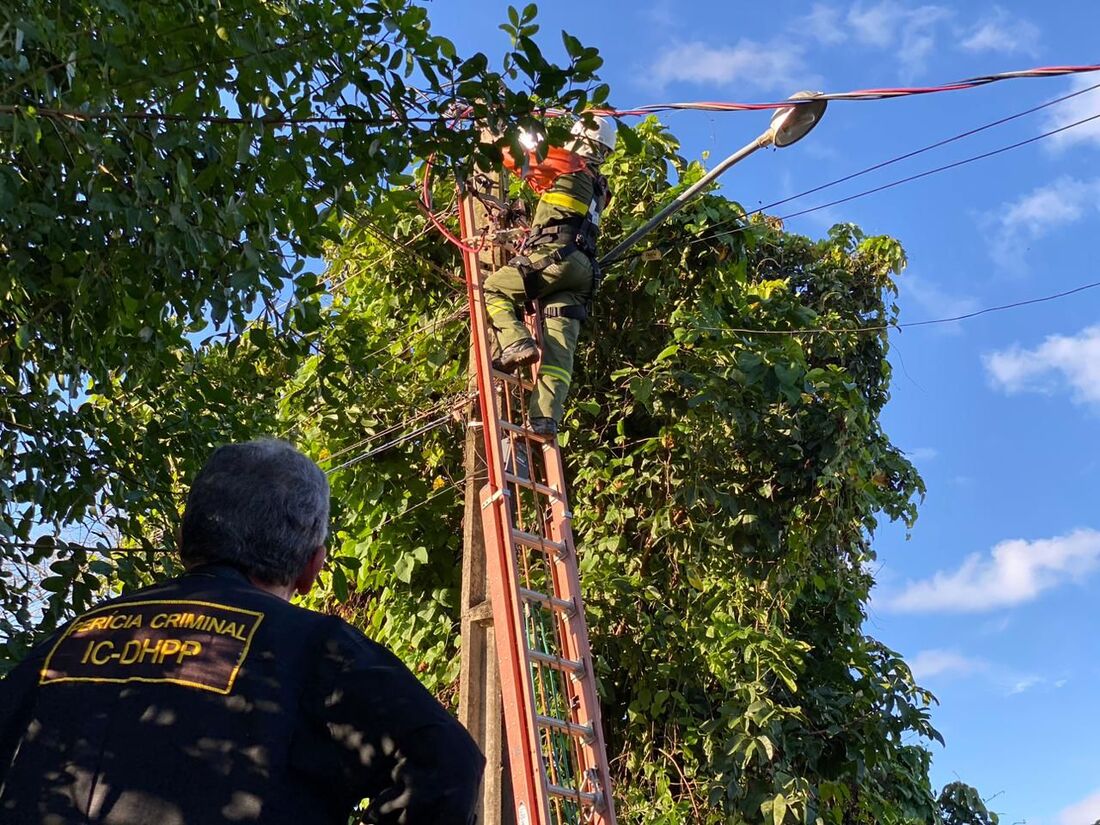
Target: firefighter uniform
558,268
206,700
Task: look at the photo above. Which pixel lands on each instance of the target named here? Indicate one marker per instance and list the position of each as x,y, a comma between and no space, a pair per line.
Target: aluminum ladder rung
550,602
586,797
557,662
508,426
584,732
509,378
538,487
538,542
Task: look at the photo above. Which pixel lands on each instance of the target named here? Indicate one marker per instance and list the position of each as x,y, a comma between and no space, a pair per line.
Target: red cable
426,207
859,94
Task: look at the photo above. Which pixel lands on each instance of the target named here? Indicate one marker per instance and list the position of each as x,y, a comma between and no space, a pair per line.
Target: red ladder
555,738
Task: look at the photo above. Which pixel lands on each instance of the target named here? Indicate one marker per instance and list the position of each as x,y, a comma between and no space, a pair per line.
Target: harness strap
529,270
578,313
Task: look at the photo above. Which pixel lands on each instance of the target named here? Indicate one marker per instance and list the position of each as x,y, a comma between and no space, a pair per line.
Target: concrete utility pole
480,707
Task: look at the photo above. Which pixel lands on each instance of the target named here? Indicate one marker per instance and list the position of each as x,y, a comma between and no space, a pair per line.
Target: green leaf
573,46
55,584
339,583
666,353
779,809
631,142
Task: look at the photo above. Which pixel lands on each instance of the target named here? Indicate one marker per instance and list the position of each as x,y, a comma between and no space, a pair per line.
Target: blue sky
993,599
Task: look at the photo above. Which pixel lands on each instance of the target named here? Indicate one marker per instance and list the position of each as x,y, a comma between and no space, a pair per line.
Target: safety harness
575,234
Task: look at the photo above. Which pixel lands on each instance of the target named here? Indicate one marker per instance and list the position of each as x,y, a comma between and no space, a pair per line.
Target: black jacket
206,700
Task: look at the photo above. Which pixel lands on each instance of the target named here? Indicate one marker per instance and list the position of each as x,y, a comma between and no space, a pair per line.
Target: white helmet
597,139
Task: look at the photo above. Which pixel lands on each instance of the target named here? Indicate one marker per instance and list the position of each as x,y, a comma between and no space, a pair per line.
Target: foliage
167,170
961,804
723,439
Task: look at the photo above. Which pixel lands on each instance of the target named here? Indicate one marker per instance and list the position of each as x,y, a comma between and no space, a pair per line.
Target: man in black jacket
211,699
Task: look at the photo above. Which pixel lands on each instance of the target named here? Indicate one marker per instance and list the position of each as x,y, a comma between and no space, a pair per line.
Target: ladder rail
560,774
515,677
578,648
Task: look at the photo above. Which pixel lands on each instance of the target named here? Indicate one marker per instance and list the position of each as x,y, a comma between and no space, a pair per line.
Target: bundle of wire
859,94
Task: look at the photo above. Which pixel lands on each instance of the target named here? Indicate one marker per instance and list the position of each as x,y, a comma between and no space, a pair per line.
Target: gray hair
261,507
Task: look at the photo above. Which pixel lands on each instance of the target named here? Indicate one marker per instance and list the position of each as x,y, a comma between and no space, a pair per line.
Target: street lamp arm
788,126
682,199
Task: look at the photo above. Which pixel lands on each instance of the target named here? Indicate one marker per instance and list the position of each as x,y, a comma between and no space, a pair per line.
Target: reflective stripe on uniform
555,372
499,306
566,202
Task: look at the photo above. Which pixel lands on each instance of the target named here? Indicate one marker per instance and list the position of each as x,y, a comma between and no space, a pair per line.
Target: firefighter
211,699
557,265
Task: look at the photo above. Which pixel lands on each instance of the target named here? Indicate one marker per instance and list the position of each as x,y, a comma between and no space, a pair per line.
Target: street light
788,126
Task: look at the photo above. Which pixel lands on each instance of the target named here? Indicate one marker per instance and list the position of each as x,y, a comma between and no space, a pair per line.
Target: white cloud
1037,214
910,31
1001,32
1071,361
1023,684
931,663
748,63
922,454
913,32
823,23
663,15
876,25
935,301
939,664
1075,109
1083,812
1014,572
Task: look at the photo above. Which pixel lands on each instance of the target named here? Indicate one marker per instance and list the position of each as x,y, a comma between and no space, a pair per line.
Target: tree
727,472
961,804
167,171
727,459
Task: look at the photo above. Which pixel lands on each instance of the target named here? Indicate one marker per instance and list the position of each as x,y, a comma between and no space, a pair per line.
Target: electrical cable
397,442
421,503
425,204
698,106
937,145
107,550
892,184
859,94
163,117
452,402
397,245
908,324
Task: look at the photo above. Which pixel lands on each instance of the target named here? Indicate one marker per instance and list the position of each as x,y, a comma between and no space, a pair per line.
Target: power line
452,402
703,106
937,145
397,245
892,184
164,117
883,327
396,516
396,442
857,95
944,168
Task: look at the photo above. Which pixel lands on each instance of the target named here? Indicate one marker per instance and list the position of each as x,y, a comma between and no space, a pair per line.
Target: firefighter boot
516,355
543,426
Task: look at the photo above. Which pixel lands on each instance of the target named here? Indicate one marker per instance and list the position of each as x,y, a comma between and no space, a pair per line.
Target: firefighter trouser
565,283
